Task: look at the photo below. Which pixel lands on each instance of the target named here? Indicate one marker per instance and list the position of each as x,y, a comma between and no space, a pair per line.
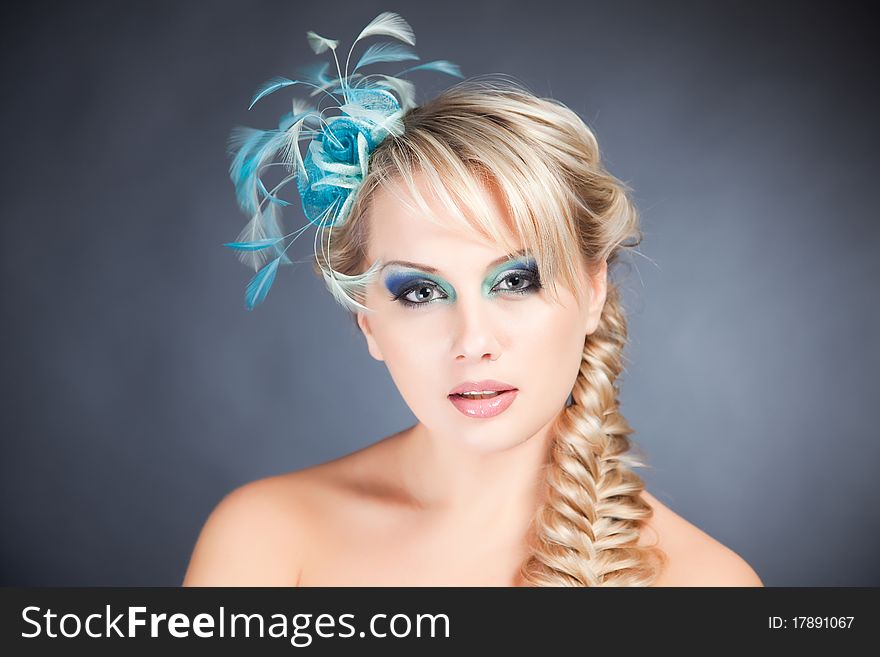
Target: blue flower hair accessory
371,108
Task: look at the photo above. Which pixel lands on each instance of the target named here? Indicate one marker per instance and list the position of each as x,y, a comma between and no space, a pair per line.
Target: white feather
320,44
254,230
405,89
390,24
290,153
299,105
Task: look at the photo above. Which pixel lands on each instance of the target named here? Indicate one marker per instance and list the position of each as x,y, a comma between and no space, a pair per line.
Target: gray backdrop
137,391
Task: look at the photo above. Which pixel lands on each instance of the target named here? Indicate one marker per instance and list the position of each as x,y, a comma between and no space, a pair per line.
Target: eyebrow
434,270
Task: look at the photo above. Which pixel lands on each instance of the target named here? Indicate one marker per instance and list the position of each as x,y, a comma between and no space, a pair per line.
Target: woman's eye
419,295
518,282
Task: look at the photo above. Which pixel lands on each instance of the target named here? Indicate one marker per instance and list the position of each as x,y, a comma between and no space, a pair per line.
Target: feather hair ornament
371,108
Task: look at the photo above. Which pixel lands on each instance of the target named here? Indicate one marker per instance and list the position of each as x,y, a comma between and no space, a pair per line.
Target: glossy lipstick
483,408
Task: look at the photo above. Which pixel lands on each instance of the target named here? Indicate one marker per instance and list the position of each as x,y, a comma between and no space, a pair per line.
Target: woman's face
465,313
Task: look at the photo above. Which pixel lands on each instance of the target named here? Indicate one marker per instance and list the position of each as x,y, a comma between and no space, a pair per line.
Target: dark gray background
137,391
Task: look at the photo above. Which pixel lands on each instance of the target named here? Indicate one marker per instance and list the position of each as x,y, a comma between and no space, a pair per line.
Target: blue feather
289,118
259,286
315,73
272,229
255,245
385,52
249,143
273,199
255,148
273,84
442,65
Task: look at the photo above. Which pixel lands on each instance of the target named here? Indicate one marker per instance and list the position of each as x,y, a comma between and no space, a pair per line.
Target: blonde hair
569,212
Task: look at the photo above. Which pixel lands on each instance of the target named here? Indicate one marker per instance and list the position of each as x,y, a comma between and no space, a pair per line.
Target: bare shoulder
695,557
252,537
260,533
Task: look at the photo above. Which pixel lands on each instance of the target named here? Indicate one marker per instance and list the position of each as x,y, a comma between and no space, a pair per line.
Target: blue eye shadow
398,283
528,264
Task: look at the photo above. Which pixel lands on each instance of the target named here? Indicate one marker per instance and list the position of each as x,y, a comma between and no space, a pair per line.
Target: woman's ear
364,325
598,280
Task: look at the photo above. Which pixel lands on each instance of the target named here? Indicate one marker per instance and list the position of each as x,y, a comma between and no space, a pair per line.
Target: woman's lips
482,408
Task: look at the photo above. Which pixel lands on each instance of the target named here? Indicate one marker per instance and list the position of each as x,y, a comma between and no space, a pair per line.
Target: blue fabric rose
337,159
339,139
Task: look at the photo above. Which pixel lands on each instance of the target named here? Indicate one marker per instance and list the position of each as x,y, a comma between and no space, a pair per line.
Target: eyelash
529,276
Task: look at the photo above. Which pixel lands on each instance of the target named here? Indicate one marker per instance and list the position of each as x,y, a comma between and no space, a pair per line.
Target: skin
448,500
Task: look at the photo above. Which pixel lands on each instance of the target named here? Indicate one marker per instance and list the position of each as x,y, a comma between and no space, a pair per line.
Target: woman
474,255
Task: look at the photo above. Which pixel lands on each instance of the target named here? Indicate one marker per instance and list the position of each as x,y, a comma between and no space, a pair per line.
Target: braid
586,531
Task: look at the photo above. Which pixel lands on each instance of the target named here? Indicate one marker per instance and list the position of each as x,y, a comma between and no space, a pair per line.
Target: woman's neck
451,478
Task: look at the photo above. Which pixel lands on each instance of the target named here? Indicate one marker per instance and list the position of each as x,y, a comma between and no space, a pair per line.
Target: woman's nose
476,330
